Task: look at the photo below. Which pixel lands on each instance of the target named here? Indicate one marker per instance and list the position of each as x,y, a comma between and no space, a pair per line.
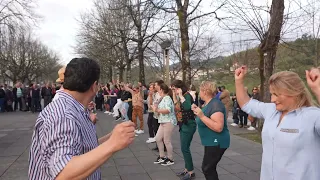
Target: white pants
117,107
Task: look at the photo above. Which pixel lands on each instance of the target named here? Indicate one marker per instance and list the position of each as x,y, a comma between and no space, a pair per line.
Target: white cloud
59,25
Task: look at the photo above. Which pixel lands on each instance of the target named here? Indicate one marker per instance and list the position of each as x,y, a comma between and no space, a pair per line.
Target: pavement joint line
13,161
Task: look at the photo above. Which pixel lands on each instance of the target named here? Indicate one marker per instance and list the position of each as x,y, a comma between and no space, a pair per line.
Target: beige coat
225,99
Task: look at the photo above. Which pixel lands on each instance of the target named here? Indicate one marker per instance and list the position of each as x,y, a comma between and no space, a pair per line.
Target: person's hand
313,79
240,73
179,92
150,93
93,118
193,106
197,111
122,136
91,105
154,108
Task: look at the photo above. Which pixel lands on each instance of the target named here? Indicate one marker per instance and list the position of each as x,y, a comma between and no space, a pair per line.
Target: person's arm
214,119
250,106
80,167
65,144
242,95
215,122
128,89
104,138
223,95
166,108
313,80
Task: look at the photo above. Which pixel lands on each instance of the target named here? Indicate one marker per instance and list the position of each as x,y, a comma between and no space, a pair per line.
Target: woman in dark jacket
187,125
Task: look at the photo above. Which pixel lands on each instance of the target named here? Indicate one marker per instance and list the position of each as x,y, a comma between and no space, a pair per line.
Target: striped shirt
62,130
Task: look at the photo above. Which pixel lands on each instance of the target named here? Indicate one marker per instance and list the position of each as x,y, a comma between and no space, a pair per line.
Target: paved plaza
241,161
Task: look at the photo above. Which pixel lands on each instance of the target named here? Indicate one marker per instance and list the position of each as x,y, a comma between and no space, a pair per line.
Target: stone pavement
241,161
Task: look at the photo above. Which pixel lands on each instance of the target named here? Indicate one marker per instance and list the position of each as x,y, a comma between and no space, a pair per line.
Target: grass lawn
251,136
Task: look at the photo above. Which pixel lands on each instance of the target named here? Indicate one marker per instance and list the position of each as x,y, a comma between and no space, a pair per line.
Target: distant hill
197,63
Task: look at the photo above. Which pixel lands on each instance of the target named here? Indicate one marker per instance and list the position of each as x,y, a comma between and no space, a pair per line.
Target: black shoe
167,162
188,176
159,160
182,173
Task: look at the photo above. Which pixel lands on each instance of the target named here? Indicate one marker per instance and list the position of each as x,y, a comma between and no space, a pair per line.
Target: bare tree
186,11
25,58
266,24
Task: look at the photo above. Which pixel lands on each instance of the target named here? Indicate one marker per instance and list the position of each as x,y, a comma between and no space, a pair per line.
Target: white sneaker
106,112
114,115
234,124
251,128
151,140
136,131
140,132
136,135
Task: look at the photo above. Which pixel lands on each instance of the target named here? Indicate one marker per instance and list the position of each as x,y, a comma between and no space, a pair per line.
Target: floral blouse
167,103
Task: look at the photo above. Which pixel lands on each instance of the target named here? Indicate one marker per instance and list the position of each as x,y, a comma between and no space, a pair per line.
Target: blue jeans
124,110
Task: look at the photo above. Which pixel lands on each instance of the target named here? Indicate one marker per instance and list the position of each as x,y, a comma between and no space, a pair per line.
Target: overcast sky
59,26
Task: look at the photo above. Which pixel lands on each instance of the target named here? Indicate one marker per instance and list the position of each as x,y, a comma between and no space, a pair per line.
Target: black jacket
126,95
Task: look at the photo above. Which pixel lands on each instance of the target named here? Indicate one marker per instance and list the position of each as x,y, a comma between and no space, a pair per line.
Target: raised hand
179,91
91,105
122,135
240,73
313,79
197,111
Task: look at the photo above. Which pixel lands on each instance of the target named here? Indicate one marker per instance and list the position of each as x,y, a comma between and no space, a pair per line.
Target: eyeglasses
255,89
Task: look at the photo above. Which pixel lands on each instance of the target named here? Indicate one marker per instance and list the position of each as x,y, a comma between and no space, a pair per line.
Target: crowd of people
26,97
166,105
65,144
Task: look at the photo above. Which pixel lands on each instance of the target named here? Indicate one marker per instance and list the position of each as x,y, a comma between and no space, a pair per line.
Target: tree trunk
110,73
128,71
141,64
121,71
185,47
269,47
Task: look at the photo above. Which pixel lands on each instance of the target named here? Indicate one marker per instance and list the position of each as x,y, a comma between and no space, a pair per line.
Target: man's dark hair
180,84
223,87
80,74
159,82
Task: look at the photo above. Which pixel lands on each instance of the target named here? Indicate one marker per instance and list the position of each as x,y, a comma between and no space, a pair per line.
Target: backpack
178,111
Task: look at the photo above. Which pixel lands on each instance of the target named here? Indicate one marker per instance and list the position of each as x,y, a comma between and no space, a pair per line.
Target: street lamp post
165,45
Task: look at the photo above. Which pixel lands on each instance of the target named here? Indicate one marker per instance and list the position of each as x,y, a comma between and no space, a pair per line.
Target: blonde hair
290,84
209,87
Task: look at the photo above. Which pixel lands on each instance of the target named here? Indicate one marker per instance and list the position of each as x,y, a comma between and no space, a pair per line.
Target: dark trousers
29,103
16,101
2,105
129,113
211,158
243,119
46,100
152,131
145,109
235,117
254,122
35,104
186,135
155,125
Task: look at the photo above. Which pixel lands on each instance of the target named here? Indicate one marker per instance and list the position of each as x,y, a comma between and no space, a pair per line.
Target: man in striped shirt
64,142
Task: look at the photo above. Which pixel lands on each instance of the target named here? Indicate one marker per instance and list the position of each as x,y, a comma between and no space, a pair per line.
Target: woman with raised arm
291,132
